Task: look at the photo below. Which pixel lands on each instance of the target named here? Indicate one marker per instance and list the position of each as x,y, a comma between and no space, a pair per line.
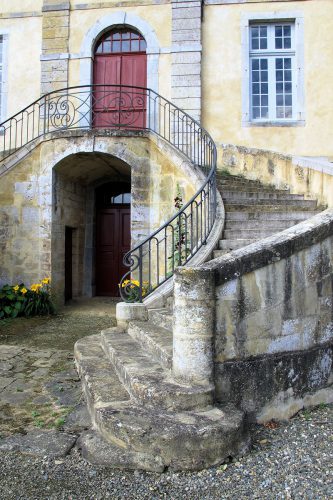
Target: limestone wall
273,308
308,176
35,205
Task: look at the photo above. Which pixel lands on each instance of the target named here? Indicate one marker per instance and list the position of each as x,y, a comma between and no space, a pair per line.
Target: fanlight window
121,40
122,199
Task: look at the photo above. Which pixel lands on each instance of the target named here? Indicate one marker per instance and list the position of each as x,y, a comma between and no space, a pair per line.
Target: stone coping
272,249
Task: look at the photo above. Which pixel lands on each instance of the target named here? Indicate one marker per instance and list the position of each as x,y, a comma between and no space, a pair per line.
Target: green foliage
12,302
21,301
180,250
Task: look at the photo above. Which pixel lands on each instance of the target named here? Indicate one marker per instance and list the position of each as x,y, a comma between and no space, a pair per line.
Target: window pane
135,45
125,46
279,76
287,63
278,43
279,100
255,76
264,76
263,63
127,197
278,31
256,113
263,31
279,113
279,87
264,100
287,75
255,88
287,43
126,36
255,43
264,88
289,112
263,43
264,112
288,87
255,32
255,64
288,100
116,47
107,46
287,31
279,63
256,100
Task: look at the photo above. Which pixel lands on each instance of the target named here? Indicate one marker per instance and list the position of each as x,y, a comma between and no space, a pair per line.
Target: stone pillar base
126,312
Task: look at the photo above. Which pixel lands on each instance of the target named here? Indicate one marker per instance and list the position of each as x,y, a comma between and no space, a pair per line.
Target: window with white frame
272,71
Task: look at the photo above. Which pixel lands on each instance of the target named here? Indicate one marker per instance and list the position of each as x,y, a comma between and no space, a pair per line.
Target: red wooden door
120,60
112,242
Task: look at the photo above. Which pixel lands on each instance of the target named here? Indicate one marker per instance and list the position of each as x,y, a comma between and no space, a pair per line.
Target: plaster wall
21,62
222,77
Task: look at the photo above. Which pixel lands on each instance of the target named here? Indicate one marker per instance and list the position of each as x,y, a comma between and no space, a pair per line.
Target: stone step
266,215
100,383
229,245
145,379
161,317
257,188
156,340
252,234
129,435
275,225
271,205
244,196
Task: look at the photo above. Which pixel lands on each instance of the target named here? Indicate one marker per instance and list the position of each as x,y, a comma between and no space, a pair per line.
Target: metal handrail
122,107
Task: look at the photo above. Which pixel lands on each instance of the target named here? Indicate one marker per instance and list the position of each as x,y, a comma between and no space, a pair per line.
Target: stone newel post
193,329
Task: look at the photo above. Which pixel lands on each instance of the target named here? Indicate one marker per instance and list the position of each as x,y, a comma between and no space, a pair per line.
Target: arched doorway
120,59
113,238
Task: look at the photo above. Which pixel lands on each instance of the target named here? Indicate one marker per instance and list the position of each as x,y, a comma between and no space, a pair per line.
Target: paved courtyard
42,414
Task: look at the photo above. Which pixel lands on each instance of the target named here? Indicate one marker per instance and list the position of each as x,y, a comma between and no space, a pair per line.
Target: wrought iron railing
153,260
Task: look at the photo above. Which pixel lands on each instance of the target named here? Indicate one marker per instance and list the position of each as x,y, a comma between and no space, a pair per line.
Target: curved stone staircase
142,418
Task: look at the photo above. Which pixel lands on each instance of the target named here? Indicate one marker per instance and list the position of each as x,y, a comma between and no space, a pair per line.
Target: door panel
123,107
112,242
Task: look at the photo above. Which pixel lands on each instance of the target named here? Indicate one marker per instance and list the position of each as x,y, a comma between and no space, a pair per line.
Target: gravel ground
291,461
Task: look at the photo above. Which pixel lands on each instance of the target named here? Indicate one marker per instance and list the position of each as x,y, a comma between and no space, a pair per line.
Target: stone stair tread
269,216
100,381
277,225
185,439
269,206
228,194
278,202
157,340
98,451
145,379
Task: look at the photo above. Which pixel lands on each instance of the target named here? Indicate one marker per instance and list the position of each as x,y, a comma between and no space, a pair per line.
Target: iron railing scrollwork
153,261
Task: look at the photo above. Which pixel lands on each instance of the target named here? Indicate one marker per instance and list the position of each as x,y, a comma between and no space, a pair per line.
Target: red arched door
120,59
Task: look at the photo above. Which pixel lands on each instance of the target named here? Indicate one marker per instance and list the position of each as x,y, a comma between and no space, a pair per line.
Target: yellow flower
46,281
35,287
16,288
24,290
